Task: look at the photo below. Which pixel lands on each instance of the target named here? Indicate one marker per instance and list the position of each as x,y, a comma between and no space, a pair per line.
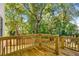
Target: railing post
6,47
40,42
56,45
17,38
3,51
10,46
62,42
3,47
78,47
22,42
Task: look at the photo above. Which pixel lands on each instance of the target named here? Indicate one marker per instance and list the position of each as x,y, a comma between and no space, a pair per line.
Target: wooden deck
68,52
44,50
39,46
35,51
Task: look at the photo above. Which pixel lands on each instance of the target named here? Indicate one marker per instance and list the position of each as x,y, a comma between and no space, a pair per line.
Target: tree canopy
34,18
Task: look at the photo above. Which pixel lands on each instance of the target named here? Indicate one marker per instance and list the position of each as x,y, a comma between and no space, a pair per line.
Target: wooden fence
70,42
10,45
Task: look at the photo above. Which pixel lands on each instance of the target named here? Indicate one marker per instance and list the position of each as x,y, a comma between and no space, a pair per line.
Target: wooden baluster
0,47
10,45
3,48
17,43
72,45
75,44
56,45
62,42
25,42
78,47
69,43
6,46
22,42
21,46
14,44
78,44
65,42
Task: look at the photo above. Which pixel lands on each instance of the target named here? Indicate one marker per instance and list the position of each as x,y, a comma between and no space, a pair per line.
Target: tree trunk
37,25
17,31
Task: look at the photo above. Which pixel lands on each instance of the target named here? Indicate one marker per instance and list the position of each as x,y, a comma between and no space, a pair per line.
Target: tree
36,12
14,18
41,18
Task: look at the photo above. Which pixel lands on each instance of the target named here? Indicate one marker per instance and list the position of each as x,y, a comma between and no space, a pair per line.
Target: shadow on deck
68,52
44,51
35,51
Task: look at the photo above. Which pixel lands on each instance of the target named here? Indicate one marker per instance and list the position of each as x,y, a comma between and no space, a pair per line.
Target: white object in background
2,17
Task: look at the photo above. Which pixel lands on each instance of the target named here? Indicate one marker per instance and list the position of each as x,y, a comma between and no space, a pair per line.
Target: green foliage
41,18
14,20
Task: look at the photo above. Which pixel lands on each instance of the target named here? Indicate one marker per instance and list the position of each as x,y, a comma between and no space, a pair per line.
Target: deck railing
10,45
70,42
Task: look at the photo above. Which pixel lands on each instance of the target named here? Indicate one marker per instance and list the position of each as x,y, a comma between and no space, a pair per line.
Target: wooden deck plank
69,52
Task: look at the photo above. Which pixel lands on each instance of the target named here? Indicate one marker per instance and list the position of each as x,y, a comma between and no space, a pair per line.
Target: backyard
39,29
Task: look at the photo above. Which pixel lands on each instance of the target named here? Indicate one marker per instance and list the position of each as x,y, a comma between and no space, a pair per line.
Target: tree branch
26,7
